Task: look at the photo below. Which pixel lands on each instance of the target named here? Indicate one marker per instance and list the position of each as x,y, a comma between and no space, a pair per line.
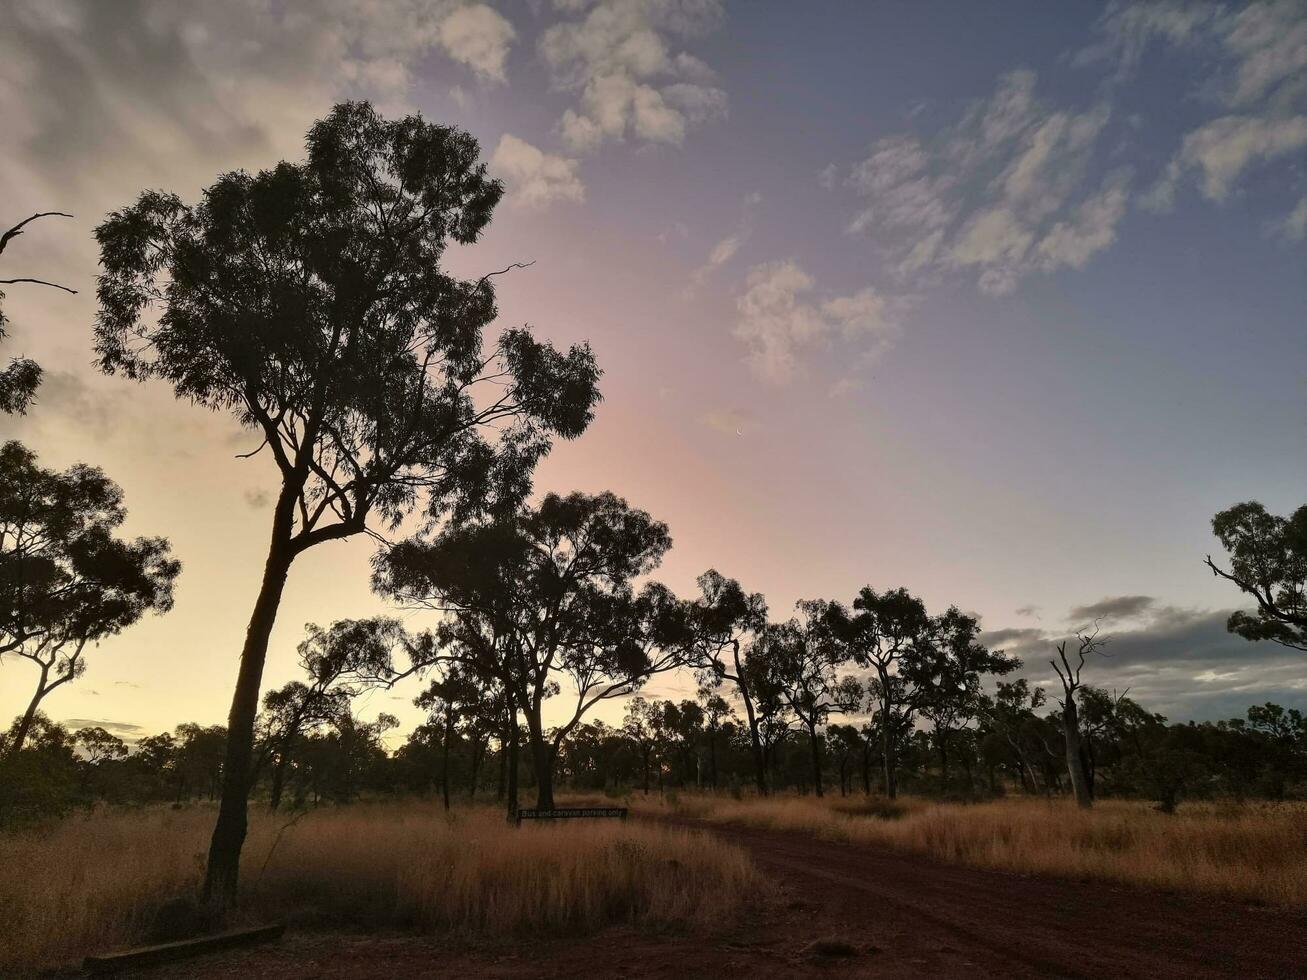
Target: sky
997,302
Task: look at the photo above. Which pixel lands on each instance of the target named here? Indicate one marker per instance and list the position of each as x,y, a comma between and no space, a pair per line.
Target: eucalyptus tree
806,658
774,719
543,597
949,666
20,378
66,580
450,701
309,301
884,631
1268,561
717,623
717,713
337,661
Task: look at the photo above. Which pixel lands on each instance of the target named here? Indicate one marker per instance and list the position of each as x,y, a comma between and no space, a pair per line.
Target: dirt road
846,910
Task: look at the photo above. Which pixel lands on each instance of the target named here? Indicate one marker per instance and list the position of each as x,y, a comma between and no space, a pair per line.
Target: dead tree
1069,675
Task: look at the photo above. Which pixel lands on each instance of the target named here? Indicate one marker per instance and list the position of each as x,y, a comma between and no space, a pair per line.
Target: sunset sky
998,302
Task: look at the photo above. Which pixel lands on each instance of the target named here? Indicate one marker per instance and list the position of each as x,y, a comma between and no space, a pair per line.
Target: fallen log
181,949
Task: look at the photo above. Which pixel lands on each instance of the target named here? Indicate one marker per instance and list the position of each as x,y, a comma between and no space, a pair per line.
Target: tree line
310,303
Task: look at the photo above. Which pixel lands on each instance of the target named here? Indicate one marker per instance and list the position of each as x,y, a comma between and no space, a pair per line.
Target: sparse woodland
309,302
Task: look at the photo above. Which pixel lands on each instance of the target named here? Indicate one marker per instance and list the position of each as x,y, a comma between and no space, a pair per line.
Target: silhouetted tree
716,714
449,700
21,377
718,621
543,596
950,664
66,581
309,301
882,630
336,660
806,659
1268,561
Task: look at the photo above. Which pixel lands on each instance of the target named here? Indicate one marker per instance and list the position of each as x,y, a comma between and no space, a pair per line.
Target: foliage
1268,561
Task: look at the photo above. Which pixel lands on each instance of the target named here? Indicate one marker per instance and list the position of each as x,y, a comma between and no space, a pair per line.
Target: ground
843,910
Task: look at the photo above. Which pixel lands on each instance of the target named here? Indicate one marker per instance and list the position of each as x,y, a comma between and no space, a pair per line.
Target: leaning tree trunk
222,875
759,756
543,760
1074,761
29,716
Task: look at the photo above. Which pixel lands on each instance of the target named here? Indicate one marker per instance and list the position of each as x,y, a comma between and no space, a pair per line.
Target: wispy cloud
535,179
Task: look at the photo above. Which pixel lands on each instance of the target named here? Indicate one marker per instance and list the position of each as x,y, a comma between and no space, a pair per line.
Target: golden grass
94,881
1252,851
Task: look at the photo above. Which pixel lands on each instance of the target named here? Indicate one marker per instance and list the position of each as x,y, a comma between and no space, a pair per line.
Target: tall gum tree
309,302
717,623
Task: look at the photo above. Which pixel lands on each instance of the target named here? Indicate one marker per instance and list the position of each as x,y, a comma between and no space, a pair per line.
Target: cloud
1113,607
619,61
1127,29
1220,151
1294,227
727,248
1181,662
257,499
535,179
1002,193
479,37
1028,611
129,732
170,92
730,421
778,321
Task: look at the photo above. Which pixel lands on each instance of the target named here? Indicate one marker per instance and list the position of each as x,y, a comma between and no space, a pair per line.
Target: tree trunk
544,765
759,757
25,724
444,759
1074,762
866,769
712,758
816,759
223,871
887,759
278,778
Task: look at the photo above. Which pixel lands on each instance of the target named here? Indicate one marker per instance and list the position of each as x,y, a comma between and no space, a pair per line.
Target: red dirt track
889,915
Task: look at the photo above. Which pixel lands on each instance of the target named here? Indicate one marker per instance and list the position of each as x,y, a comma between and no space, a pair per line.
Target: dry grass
95,881
1252,851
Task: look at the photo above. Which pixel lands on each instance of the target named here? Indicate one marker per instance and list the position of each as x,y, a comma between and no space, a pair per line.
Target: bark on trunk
222,875
887,760
816,759
759,757
1074,761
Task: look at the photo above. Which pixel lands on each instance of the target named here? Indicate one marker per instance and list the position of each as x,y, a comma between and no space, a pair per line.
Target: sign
570,812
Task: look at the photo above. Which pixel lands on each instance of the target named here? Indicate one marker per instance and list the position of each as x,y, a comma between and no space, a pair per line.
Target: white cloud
618,58
479,37
535,179
1294,226
779,320
1223,148
1002,192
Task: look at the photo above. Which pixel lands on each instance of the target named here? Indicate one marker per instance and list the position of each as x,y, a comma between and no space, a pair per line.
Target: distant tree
1069,669
775,718
882,631
1268,561
806,659
643,726
846,744
716,714
450,700
543,597
98,745
684,725
310,302
201,750
950,664
337,661
1009,714
21,377
717,622
66,580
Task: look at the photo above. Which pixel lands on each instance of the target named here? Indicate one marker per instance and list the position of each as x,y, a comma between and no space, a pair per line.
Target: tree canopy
1268,561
